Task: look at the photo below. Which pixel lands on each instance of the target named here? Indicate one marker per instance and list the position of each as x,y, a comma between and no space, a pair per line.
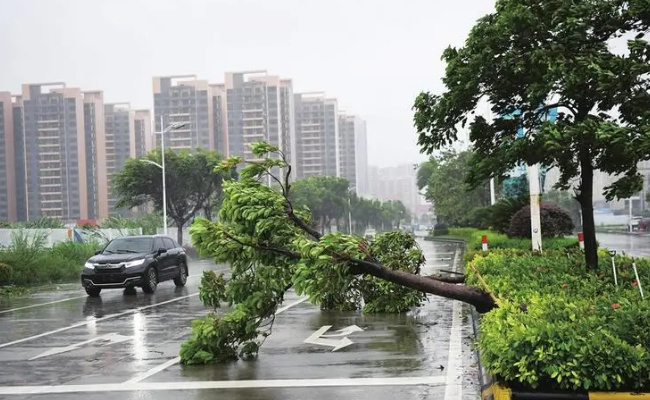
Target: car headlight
134,263
89,265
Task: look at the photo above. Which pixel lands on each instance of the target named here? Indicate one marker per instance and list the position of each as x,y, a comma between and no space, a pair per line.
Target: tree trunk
586,204
207,212
179,231
467,294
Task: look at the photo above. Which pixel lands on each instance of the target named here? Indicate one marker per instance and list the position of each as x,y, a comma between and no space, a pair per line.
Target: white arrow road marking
344,332
317,338
112,338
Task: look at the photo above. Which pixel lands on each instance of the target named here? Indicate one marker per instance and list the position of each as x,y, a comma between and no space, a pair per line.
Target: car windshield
129,245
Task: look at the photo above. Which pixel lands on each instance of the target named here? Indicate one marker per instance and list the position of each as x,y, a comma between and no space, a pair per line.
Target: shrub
478,218
6,274
560,327
30,262
500,214
440,229
555,221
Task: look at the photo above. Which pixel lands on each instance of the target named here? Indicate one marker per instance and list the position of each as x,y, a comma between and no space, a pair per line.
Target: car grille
109,268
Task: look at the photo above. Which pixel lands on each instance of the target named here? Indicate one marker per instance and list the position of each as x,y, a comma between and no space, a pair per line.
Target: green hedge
500,241
560,327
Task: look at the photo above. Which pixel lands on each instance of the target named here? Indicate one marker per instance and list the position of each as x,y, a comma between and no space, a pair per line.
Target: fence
53,236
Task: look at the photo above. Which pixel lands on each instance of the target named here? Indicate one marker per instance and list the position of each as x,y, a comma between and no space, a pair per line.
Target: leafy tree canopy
325,197
531,56
452,198
191,181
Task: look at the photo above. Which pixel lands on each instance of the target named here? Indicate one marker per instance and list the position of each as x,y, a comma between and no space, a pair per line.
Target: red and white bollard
484,243
581,240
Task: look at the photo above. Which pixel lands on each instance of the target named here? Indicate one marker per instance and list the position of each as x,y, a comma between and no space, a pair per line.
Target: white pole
535,197
492,193
630,212
164,188
638,281
350,214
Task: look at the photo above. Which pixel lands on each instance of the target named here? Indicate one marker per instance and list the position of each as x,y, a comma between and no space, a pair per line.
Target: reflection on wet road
126,346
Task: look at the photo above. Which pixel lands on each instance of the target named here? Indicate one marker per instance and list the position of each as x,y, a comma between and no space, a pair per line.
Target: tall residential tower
317,136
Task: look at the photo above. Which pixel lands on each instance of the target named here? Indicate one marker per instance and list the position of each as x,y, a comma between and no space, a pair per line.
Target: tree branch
272,249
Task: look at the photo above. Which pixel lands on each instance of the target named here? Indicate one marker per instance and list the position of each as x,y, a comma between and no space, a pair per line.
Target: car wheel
180,280
150,280
93,291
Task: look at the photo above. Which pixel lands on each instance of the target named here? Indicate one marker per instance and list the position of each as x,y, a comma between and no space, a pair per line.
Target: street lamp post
175,125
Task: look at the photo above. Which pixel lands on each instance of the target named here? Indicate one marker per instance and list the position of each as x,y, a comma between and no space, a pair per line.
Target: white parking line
203,385
94,320
153,371
57,301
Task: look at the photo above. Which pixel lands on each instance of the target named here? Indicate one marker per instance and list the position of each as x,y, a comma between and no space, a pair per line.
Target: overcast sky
375,56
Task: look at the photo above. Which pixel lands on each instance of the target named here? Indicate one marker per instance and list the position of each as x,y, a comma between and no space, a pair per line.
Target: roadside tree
191,181
590,61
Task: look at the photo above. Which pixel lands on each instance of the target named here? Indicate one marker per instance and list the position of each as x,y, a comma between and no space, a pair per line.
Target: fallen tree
273,246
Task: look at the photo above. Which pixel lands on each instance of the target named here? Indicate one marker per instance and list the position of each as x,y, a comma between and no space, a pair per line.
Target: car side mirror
162,251
98,252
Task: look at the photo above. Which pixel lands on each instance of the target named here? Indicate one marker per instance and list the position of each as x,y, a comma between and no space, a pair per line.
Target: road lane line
454,379
41,304
243,384
153,371
95,320
57,301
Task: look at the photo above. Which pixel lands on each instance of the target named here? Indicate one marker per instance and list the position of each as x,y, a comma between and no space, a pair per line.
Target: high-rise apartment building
353,152
317,137
219,117
56,183
95,154
19,159
142,140
184,98
258,109
128,135
8,206
396,183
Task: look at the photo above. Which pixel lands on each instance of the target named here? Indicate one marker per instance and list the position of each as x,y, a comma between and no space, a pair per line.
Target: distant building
56,176
95,154
317,136
353,152
396,183
258,109
184,98
128,135
8,200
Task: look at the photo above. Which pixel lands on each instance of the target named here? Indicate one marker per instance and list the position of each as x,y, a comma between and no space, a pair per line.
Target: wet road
637,245
126,347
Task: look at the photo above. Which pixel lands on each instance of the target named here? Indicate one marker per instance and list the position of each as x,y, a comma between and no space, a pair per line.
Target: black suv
132,261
